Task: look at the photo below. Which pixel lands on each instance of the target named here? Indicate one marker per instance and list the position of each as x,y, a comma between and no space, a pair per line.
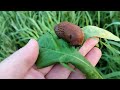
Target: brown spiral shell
70,32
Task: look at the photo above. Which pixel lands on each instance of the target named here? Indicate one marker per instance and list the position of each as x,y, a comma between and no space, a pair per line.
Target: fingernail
31,43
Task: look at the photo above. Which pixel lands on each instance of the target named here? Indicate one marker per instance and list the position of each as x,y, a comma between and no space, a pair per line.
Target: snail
70,32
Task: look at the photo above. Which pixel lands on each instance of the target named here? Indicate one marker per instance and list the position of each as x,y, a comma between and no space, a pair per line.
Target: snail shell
70,32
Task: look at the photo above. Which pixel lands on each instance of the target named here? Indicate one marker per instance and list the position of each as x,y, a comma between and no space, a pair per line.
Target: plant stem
91,73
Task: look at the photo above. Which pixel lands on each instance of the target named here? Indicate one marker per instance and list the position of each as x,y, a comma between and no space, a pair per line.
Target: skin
21,64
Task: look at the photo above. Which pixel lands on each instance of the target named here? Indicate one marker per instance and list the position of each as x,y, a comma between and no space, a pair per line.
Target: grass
16,28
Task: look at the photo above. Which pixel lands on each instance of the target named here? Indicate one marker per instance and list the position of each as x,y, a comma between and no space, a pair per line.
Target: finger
93,57
33,74
77,75
16,65
88,45
45,70
59,72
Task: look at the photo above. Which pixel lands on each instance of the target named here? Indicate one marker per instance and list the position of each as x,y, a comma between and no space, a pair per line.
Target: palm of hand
21,63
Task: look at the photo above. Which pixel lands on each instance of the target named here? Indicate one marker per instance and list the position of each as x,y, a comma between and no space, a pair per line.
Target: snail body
70,32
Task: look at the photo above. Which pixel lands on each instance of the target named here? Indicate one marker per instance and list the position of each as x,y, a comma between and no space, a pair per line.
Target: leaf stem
89,71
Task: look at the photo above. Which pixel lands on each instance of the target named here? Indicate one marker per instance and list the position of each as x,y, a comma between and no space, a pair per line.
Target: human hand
20,65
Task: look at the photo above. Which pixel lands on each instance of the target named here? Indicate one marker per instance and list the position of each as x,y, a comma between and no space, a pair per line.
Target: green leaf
47,39
67,66
93,31
54,50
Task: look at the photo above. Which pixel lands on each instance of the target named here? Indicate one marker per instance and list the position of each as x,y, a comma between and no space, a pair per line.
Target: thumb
17,65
